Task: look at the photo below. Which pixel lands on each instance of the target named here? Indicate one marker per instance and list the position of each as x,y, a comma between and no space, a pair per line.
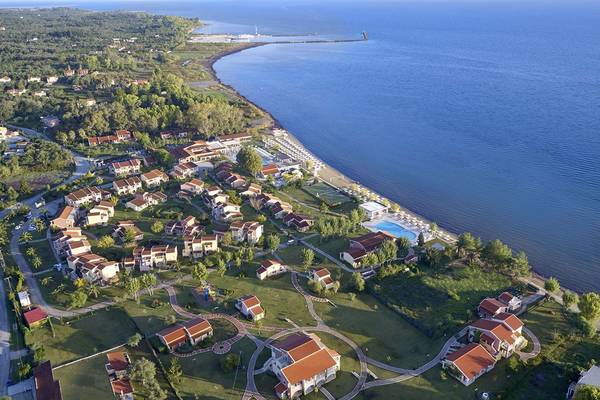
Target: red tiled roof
118,360
322,273
511,320
471,359
173,335
197,327
34,315
505,297
250,301
46,388
495,327
491,306
309,366
121,386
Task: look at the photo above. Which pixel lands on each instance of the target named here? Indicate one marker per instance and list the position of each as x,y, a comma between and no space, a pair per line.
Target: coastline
327,173
338,179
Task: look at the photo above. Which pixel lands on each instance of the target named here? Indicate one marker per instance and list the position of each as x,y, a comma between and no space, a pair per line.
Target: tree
249,160
520,264
129,234
175,371
587,392
230,362
77,299
497,254
307,257
80,283
403,245
569,298
273,242
26,237
94,290
199,272
133,286
324,208
227,239
105,242
421,239
39,352
45,281
149,280
36,262
551,285
144,371
157,227
221,267
589,306
134,340
358,282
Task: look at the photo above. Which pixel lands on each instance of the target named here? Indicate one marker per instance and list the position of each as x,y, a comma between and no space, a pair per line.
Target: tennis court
326,193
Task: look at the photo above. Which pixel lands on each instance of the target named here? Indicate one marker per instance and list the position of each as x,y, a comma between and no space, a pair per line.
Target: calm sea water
481,116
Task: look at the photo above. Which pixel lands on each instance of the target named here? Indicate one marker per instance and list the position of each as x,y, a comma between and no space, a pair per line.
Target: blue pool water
396,230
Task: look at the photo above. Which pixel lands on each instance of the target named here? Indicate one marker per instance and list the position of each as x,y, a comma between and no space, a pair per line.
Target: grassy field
277,295
76,338
203,377
88,379
149,315
381,333
440,302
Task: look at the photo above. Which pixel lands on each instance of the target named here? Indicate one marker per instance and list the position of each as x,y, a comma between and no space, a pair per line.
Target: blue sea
483,116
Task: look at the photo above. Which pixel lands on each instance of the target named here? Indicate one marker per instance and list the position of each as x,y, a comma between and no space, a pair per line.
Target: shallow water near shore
481,116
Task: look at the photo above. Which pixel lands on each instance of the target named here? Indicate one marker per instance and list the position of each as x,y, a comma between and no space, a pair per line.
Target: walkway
537,347
4,333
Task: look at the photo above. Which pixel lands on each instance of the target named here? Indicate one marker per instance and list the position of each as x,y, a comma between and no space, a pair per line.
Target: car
291,241
31,228
18,227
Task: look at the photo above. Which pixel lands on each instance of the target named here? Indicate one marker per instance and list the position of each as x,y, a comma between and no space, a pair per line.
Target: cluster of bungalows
224,173
154,178
490,339
117,369
269,268
192,332
127,186
191,188
246,231
159,256
301,363
250,307
505,302
72,244
221,208
282,210
120,136
189,169
86,195
361,246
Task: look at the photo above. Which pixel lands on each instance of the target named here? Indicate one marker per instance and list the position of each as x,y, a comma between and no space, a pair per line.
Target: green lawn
381,333
277,295
88,379
149,315
203,377
440,302
83,336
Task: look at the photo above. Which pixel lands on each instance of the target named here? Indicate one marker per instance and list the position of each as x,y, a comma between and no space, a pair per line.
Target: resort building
374,210
200,246
469,363
501,335
154,178
117,365
269,170
193,187
250,307
490,307
100,213
44,384
302,363
127,186
66,218
513,303
184,170
250,231
301,223
120,136
193,332
147,258
93,268
85,196
35,317
121,229
24,299
65,237
322,276
227,212
200,150
185,227
252,190
269,268
363,245
125,168
142,201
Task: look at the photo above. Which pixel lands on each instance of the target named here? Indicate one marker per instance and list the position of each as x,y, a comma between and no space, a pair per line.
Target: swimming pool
395,229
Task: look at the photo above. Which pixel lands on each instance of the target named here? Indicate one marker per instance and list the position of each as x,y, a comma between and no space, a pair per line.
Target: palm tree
26,237
94,290
36,262
30,252
79,283
45,281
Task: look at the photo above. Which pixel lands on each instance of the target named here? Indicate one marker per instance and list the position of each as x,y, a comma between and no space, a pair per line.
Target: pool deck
405,221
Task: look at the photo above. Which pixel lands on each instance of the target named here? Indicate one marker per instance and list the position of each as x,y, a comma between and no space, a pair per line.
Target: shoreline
332,174
327,173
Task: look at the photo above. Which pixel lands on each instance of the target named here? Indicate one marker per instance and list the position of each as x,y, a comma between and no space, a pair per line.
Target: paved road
537,347
4,338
